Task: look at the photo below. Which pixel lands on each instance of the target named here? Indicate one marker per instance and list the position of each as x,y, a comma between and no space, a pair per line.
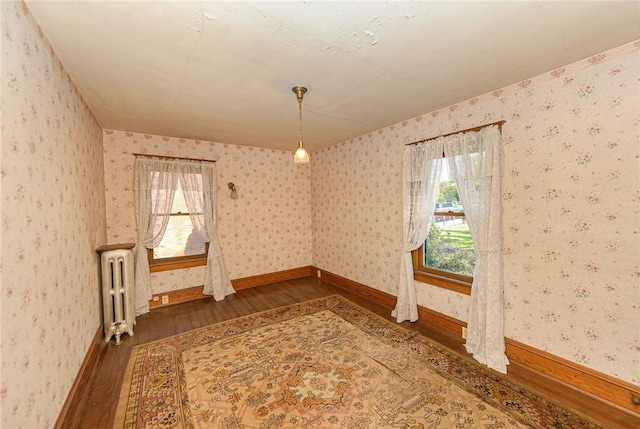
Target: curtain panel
155,184
154,189
421,167
475,160
476,163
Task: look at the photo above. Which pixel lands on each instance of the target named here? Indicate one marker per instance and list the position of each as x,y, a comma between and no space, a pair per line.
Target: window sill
177,265
443,282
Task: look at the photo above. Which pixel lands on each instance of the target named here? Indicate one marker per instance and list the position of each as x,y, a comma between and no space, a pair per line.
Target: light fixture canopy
301,156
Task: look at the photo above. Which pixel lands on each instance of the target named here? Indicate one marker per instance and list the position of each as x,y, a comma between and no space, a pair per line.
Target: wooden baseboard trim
193,293
441,321
433,318
265,279
601,385
606,388
177,297
75,396
359,289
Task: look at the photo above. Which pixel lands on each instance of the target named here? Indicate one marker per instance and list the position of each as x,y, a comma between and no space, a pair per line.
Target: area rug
325,363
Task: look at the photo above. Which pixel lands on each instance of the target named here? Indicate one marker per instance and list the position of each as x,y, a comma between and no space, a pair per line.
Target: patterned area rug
325,363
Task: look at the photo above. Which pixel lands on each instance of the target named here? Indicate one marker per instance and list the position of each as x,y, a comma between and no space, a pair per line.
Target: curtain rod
499,124
144,155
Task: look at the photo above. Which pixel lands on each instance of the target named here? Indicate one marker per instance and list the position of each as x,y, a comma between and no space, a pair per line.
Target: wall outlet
319,273
464,333
165,299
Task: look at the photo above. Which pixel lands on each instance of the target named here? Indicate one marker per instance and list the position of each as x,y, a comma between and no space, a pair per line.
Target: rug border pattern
488,381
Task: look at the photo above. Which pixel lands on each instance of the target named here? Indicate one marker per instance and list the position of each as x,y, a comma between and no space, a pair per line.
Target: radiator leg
118,333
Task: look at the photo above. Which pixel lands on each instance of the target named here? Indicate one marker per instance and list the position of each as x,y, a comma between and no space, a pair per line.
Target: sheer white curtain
475,161
155,184
421,168
198,182
154,188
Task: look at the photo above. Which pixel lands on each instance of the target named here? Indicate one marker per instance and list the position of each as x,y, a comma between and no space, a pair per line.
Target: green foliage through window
448,192
448,250
449,246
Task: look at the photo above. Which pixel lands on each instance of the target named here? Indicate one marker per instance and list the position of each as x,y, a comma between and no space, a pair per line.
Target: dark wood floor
101,394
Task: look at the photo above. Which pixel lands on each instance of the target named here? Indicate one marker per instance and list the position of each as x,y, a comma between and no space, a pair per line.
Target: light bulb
301,156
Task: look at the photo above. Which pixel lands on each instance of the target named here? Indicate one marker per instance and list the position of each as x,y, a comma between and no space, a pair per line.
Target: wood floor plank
99,403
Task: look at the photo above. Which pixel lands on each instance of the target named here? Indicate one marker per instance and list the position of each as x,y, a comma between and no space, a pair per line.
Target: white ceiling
223,71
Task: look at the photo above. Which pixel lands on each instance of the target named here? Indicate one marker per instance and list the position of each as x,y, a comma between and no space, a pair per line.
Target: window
181,246
447,257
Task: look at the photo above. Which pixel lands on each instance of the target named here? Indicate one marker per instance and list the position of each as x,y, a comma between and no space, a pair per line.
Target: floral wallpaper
267,229
570,192
53,219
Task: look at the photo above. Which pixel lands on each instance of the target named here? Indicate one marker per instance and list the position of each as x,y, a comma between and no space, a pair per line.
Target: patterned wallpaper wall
53,219
267,229
570,192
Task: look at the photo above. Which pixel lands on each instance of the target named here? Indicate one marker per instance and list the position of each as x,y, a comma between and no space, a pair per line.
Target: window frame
444,279
177,262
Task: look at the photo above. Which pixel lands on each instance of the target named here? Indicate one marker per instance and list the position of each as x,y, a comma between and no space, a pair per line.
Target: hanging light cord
301,156
300,119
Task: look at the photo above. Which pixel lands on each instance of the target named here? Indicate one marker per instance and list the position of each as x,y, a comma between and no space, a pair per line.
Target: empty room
320,214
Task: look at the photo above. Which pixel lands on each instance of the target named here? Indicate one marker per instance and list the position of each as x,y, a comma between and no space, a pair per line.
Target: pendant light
301,156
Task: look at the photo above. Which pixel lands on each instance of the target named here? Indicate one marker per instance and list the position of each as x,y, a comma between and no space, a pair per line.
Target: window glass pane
160,192
449,247
180,238
179,204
